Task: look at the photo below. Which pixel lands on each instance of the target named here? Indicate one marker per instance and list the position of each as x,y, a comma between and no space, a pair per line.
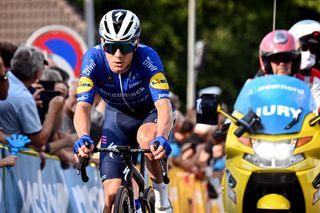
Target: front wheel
148,200
122,202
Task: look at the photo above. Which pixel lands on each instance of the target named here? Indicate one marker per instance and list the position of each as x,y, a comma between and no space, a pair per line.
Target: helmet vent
125,38
128,28
117,27
280,38
106,27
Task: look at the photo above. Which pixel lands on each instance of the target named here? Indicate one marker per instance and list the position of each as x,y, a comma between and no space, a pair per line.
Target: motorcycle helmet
308,32
276,42
119,26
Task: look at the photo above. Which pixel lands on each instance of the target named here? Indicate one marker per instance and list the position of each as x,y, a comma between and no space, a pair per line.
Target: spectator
7,50
59,142
181,136
19,111
4,83
8,161
50,80
65,76
2,137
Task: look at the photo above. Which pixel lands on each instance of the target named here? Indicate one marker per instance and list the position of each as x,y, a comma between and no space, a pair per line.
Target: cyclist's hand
163,150
79,148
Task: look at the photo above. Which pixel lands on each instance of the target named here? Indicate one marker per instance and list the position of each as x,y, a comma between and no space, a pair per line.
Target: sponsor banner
64,47
27,188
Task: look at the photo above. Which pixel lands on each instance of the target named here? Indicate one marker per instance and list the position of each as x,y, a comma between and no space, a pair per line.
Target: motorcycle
272,146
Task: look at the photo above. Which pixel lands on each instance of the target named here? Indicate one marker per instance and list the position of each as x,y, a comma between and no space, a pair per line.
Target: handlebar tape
83,162
163,164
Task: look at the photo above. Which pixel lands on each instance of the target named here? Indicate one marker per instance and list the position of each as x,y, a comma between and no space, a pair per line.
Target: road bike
125,201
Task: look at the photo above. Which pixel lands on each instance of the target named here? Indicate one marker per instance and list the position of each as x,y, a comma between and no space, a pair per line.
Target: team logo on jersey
158,81
85,85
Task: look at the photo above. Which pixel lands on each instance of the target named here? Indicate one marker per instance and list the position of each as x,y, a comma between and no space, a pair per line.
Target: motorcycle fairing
278,101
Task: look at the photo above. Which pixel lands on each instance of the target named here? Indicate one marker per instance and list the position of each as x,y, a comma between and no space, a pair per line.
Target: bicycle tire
122,201
149,200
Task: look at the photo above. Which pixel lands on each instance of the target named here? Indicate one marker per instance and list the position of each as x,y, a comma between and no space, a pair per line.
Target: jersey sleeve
86,87
158,85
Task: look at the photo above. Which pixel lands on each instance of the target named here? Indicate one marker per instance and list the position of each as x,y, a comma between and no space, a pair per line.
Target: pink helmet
276,42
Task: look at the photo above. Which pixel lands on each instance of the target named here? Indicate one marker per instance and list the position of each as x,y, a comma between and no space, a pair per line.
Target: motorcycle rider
308,33
279,53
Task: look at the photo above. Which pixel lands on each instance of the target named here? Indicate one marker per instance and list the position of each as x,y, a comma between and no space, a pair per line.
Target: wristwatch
4,77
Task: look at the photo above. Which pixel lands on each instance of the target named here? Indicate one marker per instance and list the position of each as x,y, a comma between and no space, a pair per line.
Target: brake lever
163,164
81,168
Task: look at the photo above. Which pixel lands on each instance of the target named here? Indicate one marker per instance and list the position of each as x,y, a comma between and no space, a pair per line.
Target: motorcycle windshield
282,102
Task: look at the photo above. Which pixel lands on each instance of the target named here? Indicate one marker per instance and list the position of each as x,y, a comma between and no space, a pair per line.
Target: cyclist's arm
165,117
82,118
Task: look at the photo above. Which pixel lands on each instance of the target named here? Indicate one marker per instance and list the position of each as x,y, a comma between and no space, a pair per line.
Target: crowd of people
38,99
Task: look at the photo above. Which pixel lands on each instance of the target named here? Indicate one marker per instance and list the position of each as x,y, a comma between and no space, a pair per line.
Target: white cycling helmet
119,26
304,27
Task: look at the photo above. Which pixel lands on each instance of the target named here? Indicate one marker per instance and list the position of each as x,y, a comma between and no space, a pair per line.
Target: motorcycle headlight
273,154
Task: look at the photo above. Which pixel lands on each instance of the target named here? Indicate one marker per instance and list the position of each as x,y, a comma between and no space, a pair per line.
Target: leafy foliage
232,30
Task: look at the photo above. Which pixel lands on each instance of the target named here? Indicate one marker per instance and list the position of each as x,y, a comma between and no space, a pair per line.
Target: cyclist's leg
110,188
146,133
118,129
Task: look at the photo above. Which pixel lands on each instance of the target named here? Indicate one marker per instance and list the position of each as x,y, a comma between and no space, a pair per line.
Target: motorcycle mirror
207,109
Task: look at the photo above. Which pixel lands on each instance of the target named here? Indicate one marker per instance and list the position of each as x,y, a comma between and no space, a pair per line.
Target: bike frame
131,172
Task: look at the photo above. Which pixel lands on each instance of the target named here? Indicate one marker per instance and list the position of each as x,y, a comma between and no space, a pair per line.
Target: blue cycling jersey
133,92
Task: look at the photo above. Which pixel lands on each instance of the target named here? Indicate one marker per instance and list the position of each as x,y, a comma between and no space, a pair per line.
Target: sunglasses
277,58
124,47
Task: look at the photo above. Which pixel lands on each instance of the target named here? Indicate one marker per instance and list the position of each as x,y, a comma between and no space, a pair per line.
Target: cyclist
129,77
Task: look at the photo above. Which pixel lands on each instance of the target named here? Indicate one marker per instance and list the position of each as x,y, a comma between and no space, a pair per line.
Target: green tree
232,30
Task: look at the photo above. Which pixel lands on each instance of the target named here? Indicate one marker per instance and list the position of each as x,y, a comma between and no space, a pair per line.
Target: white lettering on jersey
280,110
83,98
125,95
148,63
88,69
163,96
134,84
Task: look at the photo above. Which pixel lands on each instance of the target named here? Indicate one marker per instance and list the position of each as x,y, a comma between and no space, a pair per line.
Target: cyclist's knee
146,134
